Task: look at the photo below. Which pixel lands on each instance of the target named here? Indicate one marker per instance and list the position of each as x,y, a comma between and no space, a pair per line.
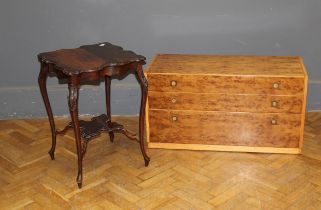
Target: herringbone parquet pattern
115,176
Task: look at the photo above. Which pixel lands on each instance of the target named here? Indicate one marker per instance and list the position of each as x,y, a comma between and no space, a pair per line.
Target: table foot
111,136
52,154
146,159
79,179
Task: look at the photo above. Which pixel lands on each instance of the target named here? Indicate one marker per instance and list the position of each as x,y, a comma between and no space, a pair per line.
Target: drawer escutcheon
274,122
174,118
274,103
275,85
173,100
173,83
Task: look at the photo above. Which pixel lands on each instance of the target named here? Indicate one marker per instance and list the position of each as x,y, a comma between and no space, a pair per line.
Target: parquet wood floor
115,176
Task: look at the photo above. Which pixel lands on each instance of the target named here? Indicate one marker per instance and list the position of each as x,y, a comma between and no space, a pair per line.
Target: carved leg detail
73,87
42,79
62,132
144,85
107,92
129,134
84,148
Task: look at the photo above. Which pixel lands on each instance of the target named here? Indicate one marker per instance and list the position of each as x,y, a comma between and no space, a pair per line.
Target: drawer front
219,128
226,84
225,102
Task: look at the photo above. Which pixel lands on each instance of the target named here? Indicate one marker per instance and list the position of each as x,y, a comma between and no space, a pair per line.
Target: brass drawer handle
173,100
275,85
274,103
274,122
174,118
173,83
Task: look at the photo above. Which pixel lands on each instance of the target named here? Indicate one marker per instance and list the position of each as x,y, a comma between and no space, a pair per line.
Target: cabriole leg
107,92
73,86
144,85
42,80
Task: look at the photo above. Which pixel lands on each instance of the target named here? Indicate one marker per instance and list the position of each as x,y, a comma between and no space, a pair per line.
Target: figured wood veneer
226,84
90,58
226,103
233,65
227,128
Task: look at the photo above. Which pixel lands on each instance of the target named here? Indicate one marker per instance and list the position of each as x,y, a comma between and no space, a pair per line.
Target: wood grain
226,84
219,101
91,63
306,78
289,66
184,179
226,102
89,58
223,148
220,128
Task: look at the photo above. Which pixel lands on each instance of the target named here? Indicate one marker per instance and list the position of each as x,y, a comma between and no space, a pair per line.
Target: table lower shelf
97,125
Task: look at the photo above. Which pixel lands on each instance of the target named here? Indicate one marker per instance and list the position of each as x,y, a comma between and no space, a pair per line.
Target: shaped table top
89,58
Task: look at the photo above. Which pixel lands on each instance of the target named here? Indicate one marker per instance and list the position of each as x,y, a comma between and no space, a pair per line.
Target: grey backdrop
262,27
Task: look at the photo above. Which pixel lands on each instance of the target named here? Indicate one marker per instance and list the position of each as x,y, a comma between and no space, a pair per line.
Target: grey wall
270,27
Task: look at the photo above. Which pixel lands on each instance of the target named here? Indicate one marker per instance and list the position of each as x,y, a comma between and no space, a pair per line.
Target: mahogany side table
91,62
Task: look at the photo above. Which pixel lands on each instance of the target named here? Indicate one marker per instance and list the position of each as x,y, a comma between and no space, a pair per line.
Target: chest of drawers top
228,65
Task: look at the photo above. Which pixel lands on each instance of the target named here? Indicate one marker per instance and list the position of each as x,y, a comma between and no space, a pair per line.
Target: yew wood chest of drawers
226,103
